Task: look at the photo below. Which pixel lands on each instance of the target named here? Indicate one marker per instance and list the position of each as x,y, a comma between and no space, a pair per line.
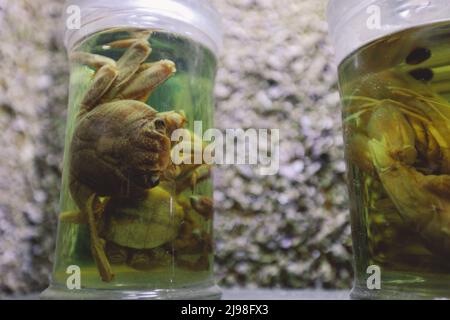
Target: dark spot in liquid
418,56
422,74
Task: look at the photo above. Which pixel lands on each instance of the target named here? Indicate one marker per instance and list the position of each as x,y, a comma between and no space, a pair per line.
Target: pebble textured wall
33,90
286,230
291,229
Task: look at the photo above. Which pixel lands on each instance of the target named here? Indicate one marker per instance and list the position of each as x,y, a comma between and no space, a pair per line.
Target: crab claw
390,127
421,200
203,205
174,120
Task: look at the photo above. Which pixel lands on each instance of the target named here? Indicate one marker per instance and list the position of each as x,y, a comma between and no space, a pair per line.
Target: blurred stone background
290,230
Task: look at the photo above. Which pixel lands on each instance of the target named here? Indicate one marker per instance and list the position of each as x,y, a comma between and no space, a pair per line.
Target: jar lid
196,19
355,23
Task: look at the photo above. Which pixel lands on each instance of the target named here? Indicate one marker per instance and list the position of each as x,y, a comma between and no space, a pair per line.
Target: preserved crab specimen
121,176
397,131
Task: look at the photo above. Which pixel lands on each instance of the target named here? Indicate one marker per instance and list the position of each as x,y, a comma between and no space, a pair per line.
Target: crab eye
160,124
145,181
153,181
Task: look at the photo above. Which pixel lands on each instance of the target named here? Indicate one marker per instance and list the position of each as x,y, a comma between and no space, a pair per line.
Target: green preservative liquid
396,96
130,219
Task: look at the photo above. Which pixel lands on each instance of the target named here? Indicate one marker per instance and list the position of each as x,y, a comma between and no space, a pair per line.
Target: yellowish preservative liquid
136,207
396,96
130,219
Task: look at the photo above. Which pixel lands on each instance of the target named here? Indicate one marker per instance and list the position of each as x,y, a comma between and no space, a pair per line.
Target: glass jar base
56,292
397,285
395,294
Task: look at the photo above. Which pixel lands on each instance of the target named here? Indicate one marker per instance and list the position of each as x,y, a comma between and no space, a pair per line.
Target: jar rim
195,19
350,27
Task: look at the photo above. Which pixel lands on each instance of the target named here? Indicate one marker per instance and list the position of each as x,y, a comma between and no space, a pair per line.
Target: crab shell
143,224
119,148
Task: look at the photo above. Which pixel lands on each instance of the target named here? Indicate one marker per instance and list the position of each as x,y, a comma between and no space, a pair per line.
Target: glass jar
134,223
394,77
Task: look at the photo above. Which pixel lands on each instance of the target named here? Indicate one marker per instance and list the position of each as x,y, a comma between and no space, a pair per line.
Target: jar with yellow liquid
394,76
133,224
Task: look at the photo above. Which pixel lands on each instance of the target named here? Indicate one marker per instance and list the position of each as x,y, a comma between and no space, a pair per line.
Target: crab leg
103,80
193,240
203,205
146,66
123,70
138,50
143,84
106,73
131,61
94,61
98,244
76,217
126,43
194,175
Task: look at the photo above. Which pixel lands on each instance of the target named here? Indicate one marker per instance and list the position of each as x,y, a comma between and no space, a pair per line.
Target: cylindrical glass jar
135,224
394,77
